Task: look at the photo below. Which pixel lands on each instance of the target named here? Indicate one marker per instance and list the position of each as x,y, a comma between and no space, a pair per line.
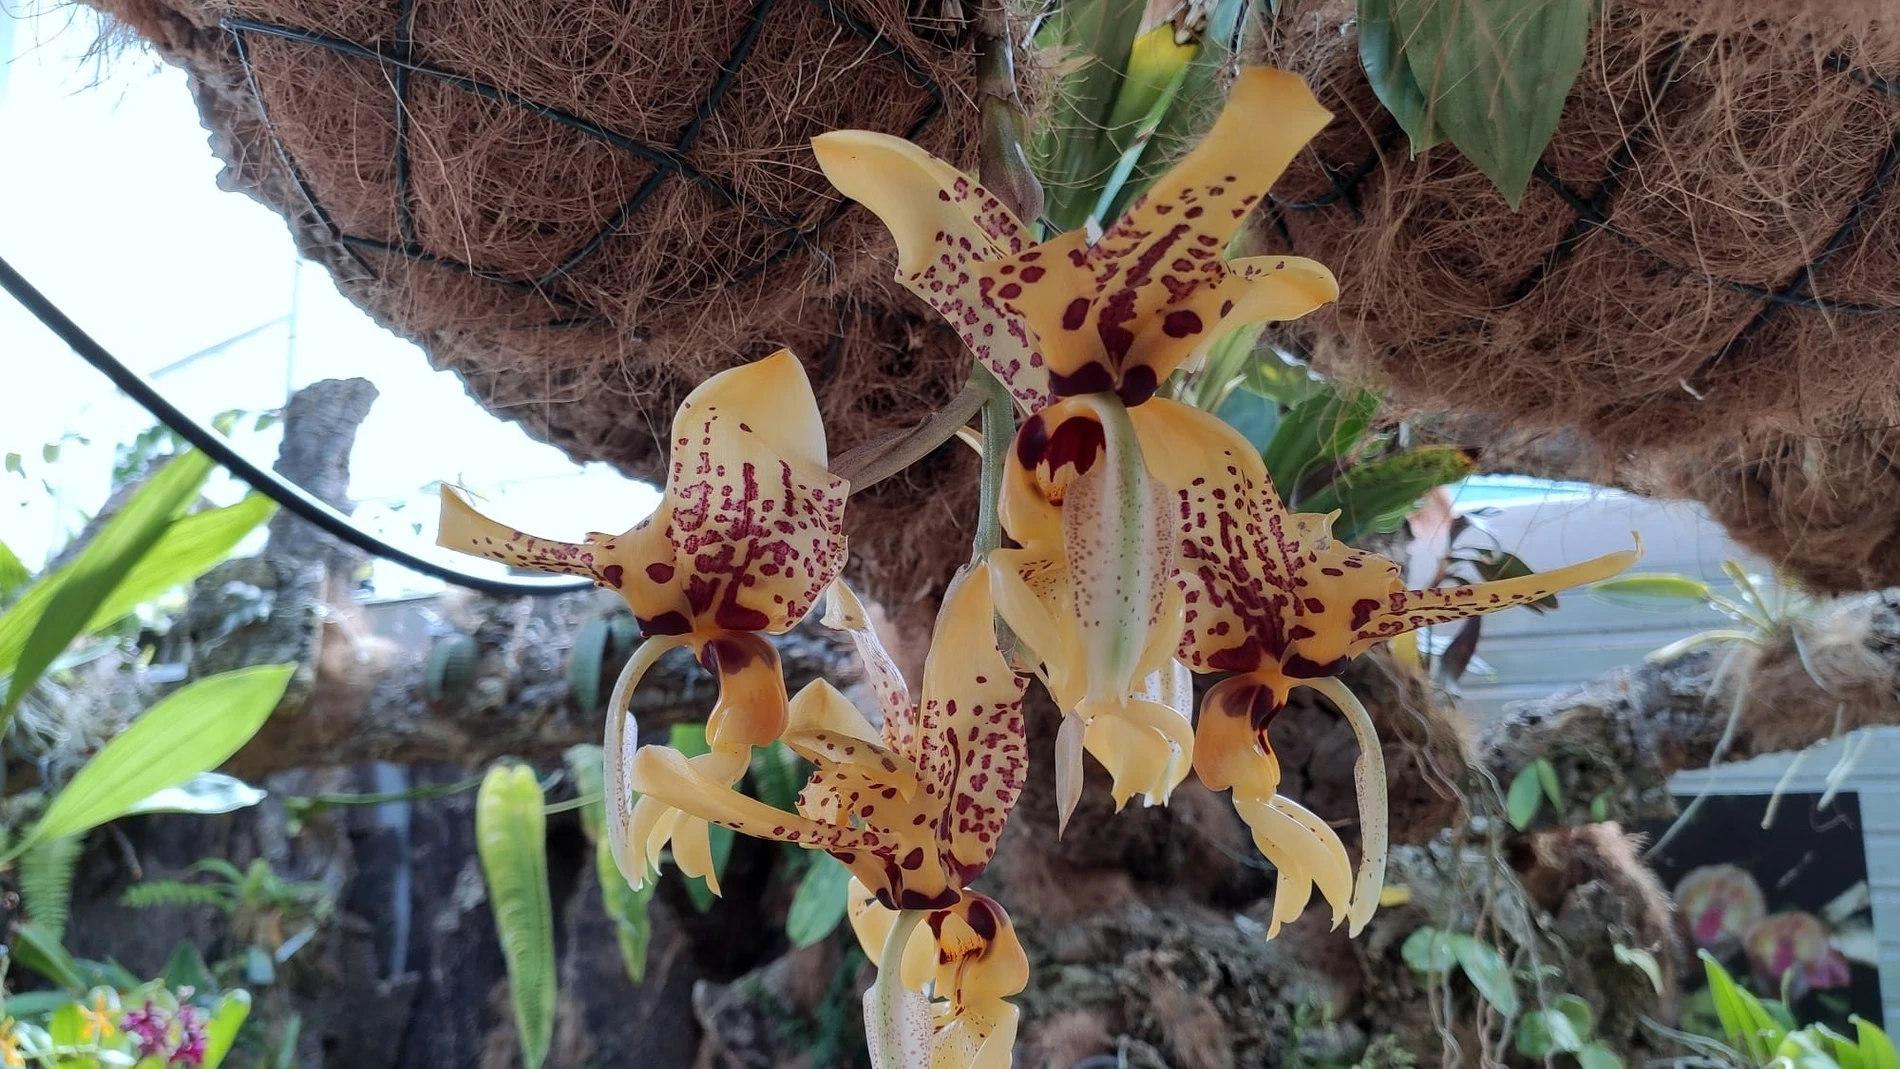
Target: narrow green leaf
626,907
1524,798
1547,777
13,574
1652,592
77,591
1488,972
1745,1020
194,730
1429,950
511,836
1600,812
222,1030
1376,496
1598,1056
1495,74
1199,99
1844,1052
1382,54
187,549
46,881
1642,960
1322,428
204,794
27,1004
38,950
1088,41
1876,1049
586,762
818,907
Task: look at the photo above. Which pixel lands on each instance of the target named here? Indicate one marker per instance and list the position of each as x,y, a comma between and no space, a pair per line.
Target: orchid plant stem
874,462
887,991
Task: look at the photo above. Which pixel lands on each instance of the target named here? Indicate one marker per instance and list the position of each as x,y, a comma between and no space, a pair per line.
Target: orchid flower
914,810
1083,333
748,534
1275,599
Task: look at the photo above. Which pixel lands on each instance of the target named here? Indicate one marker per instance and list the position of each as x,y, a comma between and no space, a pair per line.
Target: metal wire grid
668,162
1592,213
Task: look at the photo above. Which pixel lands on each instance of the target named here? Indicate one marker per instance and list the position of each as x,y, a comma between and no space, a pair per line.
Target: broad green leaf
1876,1049
1547,777
1429,950
1320,429
76,592
818,907
38,950
1524,798
1488,972
1088,42
1252,415
13,574
1745,1021
775,777
221,1031
1382,54
204,794
1654,592
1278,379
194,730
1376,496
1541,1033
626,907
1495,74
1598,1056
511,836
67,1025
46,881
1577,1012
188,548
1640,959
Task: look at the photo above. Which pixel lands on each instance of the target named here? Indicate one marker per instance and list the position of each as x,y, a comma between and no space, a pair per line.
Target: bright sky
109,204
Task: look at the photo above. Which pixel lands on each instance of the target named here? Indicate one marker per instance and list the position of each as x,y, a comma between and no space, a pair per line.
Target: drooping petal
751,708
971,747
1031,588
844,612
654,823
1144,745
1298,846
1335,882
666,778
953,237
1071,738
981,1037
1234,541
756,518
826,729
1151,263
623,738
1368,774
1408,610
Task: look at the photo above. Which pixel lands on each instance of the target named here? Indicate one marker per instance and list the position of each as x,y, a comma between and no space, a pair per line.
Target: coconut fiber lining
1703,277
585,207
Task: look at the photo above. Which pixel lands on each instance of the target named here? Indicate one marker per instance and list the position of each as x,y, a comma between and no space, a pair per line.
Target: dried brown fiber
1705,280
581,279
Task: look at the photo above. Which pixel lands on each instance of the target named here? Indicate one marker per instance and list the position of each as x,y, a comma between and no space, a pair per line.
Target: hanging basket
1707,258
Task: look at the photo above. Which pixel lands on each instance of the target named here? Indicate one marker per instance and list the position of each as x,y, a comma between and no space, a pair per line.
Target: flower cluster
175,1038
1148,544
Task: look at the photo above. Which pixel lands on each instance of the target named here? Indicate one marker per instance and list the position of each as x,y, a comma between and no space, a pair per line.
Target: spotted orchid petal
656,822
953,238
844,612
1231,747
827,730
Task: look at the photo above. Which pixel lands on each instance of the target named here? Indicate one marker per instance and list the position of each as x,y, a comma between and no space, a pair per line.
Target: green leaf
1198,100
586,762
1429,950
1577,1012
26,1004
1541,1033
186,968
1745,1021
511,836
626,907
221,1031
1320,429
1600,812
187,549
68,1024
13,574
37,949
1806,1049
1495,565
1376,496
1088,41
1653,592
46,881
1278,379
204,794
1495,74
1547,778
1488,972
1598,1056
15,466
77,591
1876,1049
194,730
774,776
1844,1051
1252,415
1524,798
819,905
1643,961
1382,54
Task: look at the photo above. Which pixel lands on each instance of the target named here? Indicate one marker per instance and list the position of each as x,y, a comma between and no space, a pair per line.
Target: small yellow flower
97,1024
10,1055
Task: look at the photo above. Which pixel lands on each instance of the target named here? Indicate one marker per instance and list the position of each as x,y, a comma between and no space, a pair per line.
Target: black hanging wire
272,485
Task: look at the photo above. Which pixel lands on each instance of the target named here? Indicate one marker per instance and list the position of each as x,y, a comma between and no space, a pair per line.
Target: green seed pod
452,663
584,664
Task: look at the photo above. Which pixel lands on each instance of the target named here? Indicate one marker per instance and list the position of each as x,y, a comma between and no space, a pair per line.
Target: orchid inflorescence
1148,544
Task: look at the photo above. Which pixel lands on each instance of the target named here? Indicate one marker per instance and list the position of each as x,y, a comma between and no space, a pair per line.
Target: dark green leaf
1088,41
511,836
1495,74
1382,54
1577,1012
1377,496
1429,950
1547,777
79,590
1324,427
37,949
194,730
1524,799
1541,1033
1488,972
28,1004
819,905
1598,1056
774,776
186,968
1493,565
1252,415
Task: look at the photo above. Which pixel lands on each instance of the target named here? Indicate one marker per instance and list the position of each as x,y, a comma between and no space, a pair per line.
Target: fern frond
46,881
155,893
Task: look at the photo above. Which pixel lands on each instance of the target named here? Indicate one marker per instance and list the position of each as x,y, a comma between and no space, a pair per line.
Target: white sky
109,204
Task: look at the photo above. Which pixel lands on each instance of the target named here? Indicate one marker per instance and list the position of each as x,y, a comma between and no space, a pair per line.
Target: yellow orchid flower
1274,598
99,1021
914,811
748,535
1082,334
957,969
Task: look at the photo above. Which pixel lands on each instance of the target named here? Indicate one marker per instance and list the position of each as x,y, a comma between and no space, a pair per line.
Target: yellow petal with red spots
844,612
871,922
1231,748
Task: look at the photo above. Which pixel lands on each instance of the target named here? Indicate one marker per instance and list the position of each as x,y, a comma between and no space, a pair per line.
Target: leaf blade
511,837
818,907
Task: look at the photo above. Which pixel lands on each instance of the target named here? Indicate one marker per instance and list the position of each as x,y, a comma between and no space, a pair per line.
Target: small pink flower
150,1028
